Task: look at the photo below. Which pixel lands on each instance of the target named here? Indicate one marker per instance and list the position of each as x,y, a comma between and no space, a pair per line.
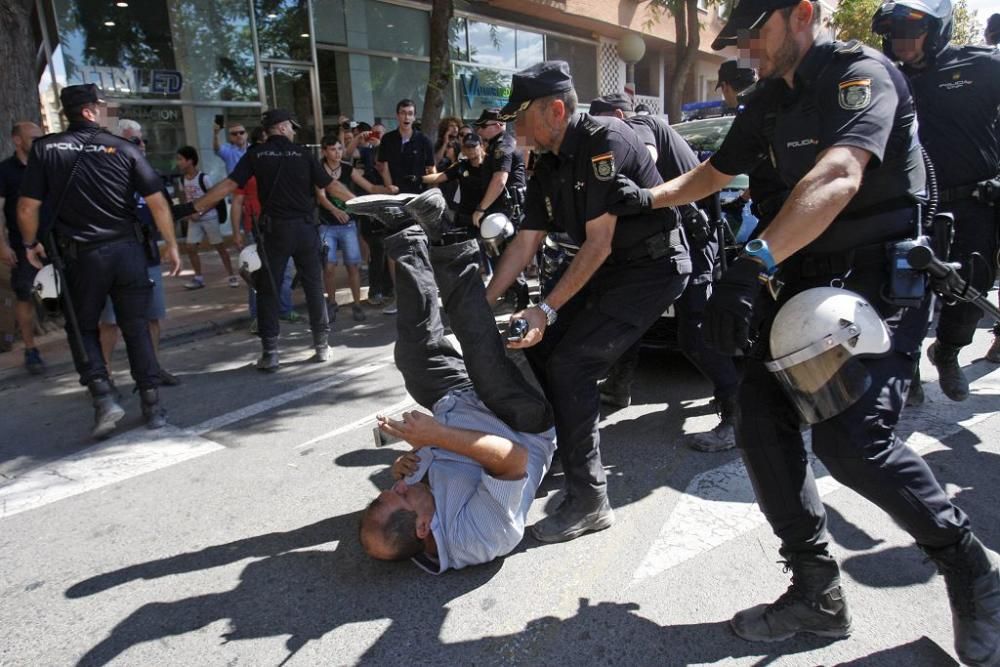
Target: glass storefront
173,65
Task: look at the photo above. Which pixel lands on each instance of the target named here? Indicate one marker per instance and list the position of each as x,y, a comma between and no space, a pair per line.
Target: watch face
754,246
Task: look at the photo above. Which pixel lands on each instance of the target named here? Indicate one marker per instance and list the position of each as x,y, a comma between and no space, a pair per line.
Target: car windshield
705,136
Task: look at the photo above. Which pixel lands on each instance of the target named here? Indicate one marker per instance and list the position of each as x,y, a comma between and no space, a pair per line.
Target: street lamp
631,49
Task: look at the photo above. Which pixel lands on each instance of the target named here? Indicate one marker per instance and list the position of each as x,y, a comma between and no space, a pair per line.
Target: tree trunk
440,70
685,53
17,77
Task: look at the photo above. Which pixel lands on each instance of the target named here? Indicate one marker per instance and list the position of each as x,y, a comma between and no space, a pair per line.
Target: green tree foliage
853,20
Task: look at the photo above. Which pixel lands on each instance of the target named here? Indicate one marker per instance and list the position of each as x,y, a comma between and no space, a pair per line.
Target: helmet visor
900,22
823,379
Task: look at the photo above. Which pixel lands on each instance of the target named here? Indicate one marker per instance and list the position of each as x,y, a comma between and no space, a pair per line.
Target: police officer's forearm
515,257
592,254
27,218
215,194
497,183
816,201
696,184
159,207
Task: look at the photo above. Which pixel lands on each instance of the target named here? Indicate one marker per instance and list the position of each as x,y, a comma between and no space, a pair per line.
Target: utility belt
70,249
985,192
268,224
659,245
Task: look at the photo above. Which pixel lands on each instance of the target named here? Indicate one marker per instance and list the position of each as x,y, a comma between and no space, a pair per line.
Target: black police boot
973,581
107,412
268,361
950,375
915,396
575,517
616,388
322,346
814,604
155,416
428,211
723,436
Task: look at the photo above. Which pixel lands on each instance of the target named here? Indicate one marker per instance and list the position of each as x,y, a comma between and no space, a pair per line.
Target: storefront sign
133,80
149,113
480,94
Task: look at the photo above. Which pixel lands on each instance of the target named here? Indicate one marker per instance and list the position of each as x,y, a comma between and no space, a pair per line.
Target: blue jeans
285,295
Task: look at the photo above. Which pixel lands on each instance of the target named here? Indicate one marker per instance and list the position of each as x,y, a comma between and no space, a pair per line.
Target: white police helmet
494,230
910,18
816,341
46,284
249,263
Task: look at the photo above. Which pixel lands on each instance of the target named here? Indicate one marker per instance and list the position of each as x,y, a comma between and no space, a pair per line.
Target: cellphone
375,134
219,120
516,329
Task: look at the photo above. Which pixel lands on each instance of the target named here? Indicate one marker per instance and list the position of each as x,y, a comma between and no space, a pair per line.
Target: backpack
220,208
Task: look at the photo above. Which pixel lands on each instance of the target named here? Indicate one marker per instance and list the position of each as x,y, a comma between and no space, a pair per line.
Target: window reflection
397,29
283,29
530,49
491,45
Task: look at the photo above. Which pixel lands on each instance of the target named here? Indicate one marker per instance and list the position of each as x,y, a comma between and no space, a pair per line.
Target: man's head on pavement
406,114
490,124
397,524
23,134
543,101
237,135
772,35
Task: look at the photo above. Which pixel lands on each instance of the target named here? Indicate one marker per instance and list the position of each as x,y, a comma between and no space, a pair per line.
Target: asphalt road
230,538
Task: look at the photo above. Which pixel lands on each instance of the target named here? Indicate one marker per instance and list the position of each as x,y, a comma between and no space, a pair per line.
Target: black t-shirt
958,105
99,204
408,161
502,155
472,182
569,189
365,162
292,167
344,178
674,156
845,95
11,173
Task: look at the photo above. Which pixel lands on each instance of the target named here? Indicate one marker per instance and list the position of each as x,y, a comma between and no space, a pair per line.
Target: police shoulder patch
855,94
498,153
604,166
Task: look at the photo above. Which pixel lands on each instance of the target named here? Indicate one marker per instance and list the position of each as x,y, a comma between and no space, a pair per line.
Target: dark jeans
379,280
116,269
430,365
859,446
299,239
975,231
592,331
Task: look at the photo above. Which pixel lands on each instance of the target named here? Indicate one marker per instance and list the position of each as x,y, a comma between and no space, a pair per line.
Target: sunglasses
238,133
137,141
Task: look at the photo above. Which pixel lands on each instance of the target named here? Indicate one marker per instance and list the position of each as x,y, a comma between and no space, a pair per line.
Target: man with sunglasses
234,148
957,92
838,121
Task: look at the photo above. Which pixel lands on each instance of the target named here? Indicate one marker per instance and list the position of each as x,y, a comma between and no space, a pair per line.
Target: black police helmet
934,16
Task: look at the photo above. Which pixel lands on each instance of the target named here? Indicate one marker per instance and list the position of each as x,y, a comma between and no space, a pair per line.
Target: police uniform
287,174
845,95
646,271
502,156
471,180
958,104
98,235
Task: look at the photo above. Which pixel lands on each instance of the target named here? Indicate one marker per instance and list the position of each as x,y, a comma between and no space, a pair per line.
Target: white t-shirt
193,190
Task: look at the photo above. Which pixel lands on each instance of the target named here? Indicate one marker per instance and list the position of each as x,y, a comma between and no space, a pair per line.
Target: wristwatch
550,313
29,246
758,250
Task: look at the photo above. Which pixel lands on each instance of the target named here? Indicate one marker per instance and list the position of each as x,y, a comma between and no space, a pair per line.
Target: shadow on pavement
922,652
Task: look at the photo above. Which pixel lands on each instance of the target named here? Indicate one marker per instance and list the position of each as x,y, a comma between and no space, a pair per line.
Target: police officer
289,179
90,178
674,157
840,123
627,272
957,92
470,173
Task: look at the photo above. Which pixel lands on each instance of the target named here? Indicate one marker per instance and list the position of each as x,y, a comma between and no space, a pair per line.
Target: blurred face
238,135
25,136
490,130
334,153
346,136
406,116
541,126
183,164
729,95
473,153
909,50
772,49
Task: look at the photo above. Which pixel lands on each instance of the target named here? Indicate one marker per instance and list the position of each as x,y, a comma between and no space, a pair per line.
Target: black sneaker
358,313
168,379
428,211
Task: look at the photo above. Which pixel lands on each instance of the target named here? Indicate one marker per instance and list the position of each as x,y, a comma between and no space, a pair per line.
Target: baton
948,283
263,255
75,337
720,222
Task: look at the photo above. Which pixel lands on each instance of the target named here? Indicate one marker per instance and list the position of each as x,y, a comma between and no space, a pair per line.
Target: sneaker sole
830,634
605,523
104,428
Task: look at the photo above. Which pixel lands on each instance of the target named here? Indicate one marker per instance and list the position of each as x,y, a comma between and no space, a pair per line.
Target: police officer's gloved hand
627,198
726,326
182,210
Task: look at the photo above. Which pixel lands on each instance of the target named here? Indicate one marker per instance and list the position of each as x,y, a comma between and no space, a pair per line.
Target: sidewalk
210,309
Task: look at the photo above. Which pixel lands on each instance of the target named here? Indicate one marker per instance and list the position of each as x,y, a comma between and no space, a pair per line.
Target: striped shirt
478,517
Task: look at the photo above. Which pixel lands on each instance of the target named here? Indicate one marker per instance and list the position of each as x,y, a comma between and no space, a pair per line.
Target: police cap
489,116
748,15
609,103
542,80
738,77
74,97
275,116
471,140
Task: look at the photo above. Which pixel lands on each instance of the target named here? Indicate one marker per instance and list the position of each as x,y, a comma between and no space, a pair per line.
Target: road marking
140,451
718,505
368,420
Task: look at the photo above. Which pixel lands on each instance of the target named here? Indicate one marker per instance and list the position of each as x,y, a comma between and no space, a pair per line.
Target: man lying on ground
461,496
